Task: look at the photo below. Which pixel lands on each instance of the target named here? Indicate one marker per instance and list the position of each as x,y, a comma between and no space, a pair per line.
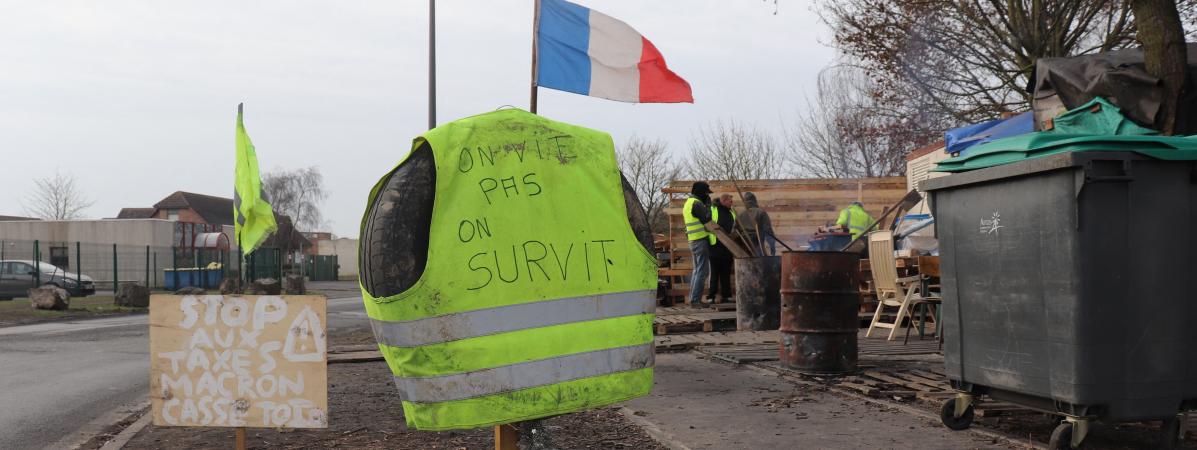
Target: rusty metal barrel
820,297
758,293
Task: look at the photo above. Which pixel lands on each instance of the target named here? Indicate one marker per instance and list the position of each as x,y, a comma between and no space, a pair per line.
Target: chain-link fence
82,266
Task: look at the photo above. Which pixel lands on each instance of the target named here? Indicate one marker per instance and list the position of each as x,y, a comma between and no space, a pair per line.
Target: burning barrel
758,292
820,298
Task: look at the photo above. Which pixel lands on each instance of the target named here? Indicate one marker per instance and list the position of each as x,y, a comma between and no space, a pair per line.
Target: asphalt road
59,379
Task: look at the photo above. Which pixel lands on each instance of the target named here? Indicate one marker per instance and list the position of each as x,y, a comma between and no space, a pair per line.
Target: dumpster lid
1095,126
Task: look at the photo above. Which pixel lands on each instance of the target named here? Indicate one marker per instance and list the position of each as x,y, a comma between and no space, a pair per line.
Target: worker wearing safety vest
854,219
722,260
696,212
528,306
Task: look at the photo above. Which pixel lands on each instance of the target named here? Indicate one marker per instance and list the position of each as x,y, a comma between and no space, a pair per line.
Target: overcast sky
138,99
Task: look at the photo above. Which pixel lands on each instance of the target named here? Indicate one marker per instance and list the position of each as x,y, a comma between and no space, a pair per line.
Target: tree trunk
1164,54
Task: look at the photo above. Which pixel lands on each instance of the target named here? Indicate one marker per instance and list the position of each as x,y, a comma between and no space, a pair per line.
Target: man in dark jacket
722,261
757,224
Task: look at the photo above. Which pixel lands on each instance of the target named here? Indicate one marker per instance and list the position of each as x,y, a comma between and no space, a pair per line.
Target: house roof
286,236
136,213
918,152
214,210
15,218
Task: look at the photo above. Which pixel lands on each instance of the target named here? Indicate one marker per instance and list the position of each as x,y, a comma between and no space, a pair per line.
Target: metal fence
157,267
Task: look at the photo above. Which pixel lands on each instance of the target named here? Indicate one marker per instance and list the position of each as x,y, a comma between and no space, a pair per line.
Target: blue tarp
958,140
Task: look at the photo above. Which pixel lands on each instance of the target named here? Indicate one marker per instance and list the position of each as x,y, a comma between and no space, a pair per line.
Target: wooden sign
238,361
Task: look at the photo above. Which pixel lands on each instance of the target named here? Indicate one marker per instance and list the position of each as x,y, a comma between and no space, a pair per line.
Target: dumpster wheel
1069,434
948,414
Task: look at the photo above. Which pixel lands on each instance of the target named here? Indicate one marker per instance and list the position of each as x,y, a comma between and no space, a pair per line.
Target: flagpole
431,64
535,61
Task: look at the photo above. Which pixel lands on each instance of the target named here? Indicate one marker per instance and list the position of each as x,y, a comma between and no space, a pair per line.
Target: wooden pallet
695,322
687,342
729,306
880,347
743,354
926,386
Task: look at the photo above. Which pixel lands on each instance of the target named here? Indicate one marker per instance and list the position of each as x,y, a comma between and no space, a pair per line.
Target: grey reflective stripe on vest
502,319
497,380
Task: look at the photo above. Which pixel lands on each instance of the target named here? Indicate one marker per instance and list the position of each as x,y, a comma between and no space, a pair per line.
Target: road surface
59,379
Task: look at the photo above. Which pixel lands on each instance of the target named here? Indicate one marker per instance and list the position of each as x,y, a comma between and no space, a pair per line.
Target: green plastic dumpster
1067,270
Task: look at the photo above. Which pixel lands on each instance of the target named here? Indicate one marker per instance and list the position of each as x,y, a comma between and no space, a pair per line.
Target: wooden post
505,437
240,438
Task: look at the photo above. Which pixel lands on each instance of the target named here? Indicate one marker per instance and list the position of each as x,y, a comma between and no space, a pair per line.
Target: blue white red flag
586,52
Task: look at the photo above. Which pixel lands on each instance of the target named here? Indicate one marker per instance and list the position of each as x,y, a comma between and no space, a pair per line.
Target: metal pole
155,269
431,64
174,264
535,53
115,271
78,266
147,266
197,272
37,263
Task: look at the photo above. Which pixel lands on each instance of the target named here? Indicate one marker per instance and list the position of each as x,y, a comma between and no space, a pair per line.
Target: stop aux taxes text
225,370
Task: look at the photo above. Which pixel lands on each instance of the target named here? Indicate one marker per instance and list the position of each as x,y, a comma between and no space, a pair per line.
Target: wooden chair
891,290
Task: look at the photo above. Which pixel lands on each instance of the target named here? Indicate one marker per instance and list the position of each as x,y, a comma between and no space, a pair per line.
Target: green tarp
1095,126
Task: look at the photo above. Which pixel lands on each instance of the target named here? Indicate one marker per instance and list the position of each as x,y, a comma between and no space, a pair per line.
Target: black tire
947,414
1170,433
1062,437
394,245
394,237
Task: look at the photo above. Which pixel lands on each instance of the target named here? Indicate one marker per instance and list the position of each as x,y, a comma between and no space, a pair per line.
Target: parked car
16,277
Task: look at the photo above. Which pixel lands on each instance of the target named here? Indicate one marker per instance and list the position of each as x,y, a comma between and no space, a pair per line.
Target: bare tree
973,58
728,149
648,167
1164,54
56,198
298,194
851,132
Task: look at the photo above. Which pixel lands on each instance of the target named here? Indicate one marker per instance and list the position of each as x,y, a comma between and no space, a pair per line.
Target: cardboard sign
238,361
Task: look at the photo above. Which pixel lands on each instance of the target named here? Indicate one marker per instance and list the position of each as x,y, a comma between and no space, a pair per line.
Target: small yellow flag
254,215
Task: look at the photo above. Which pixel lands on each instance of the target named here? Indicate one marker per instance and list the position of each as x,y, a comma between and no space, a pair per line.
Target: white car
16,277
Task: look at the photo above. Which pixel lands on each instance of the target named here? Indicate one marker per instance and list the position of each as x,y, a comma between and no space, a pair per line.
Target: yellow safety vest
855,218
694,228
715,218
529,306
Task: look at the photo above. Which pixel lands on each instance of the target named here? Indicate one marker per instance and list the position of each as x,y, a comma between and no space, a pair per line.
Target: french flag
586,52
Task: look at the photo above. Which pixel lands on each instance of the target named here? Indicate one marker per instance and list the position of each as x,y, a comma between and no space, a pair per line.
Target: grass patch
19,311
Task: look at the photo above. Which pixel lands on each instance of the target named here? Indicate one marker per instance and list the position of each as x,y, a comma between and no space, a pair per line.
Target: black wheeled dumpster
1068,283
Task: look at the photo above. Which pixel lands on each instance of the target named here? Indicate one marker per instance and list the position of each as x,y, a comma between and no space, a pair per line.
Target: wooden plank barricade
238,361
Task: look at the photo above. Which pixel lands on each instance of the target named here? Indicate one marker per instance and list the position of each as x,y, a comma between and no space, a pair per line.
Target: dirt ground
365,413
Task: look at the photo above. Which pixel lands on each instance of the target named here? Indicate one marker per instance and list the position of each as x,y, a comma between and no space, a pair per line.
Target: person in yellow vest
527,306
723,213
696,212
854,219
